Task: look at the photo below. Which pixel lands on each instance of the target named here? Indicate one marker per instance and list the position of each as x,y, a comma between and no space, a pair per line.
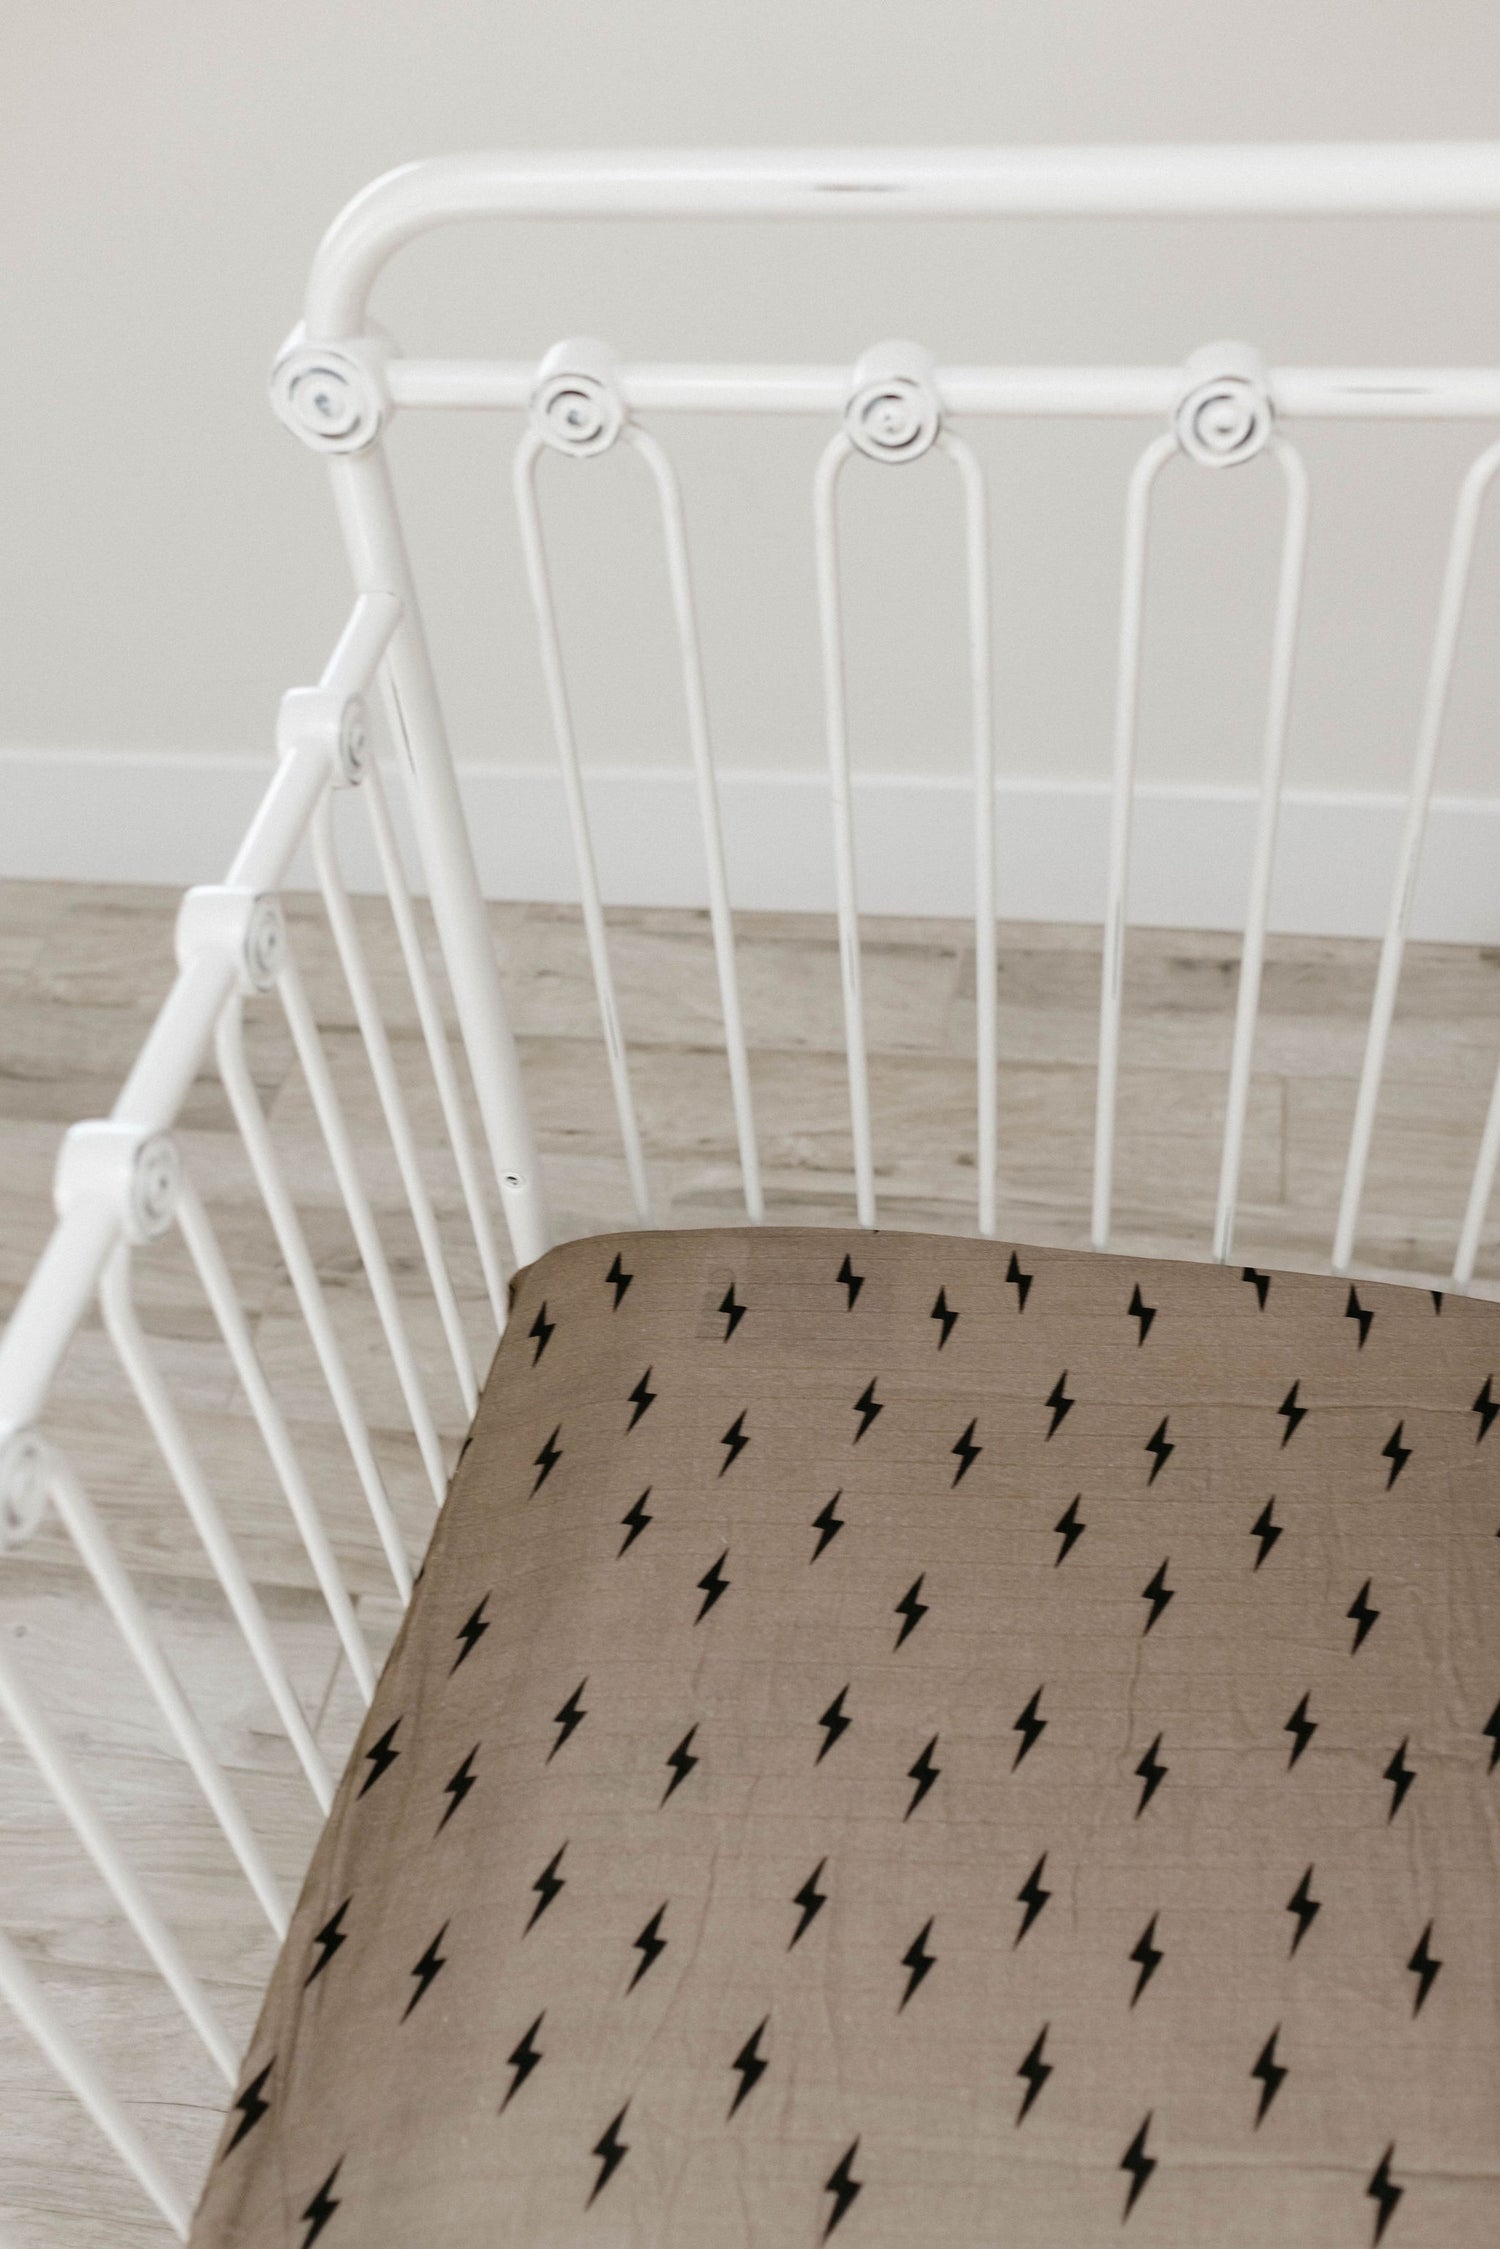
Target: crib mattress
908,1740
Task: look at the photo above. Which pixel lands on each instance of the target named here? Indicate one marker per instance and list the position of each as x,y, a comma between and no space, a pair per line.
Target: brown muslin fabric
909,1741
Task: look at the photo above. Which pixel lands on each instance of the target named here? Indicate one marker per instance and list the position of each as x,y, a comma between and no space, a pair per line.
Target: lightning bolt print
458,1788
917,1961
619,1280
834,1723
640,1400
1491,1727
1069,1529
1305,1906
546,1460
1160,1447
941,1312
843,2186
1158,1593
968,1452
541,1331
322,2206
522,2059
1484,1405
1384,2192
1061,1404
732,1310
911,1610
427,1970
681,1761
751,2064
734,1441
1030,1728
1139,2164
1142,1313
1260,1282
1301,1728
925,1774
867,1406
1354,1310
1424,1965
853,1282
1361,1616
1151,1773
810,1901
470,1633
1147,1956
635,1521
611,2151
380,1756
1266,1529
1019,1281
1396,1453
1032,1896
548,1886
827,1525
1400,1776
1035,2071
650,1944
328,1939
712,1585
1271,2073
1291,1413
251,2106
569,1718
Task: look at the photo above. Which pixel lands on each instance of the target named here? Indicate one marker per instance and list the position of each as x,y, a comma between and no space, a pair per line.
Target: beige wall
169,562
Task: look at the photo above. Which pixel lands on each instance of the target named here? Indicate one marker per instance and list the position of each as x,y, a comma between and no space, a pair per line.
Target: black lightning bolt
1491,1727
471,1632
711,1585
547,1886
1484,1405
835,1722
1032,1896
1266,1529
650,1944
968,1452
867,1406
1030,1727
1147,1956
751,2064
941,1312
1354,1310
541,1328
1361,1615
619,1280
1270,2072
1437,1300
910,1609
917,1959
321,2208
635,1522
569,1718
681,1761
1151,1772
611,2151
1291,1413
380,1756
1305,1906
1035,2071
430,1966
1139,2164
924,1773
546,1460
523,2058
1384,2191
732,1310
736,1440
1260,1282
1019,1281
1159,1444
1400,1776
1158,1593
827,1524
328,1939
1396,1453
250,2105
641,1399
1302,1727
1060,1402
1424,1965
1070,1528
1142,1312
843,2186
852,1281
812,1901
458,1788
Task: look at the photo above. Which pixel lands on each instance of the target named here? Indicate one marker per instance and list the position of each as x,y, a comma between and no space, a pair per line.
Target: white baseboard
120,816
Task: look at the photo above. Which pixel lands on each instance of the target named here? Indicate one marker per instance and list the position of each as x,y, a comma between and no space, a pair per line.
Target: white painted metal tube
224,1302
35,2011
1481,1188
144,1376
539,580
96,1551
308,1043
250,1121
1409,855
89,1825
377,1045
1127,711
378,557
836,731
1263,862
721,915
435,1037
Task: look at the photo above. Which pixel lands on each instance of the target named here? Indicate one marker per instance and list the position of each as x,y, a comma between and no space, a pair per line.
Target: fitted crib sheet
909,1740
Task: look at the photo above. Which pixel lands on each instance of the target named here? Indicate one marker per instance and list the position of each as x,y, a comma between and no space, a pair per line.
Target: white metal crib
121,1183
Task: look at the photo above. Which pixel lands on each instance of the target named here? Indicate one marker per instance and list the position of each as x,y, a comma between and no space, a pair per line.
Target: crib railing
122,1182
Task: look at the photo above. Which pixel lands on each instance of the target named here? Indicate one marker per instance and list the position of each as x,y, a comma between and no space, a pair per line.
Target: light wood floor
81,972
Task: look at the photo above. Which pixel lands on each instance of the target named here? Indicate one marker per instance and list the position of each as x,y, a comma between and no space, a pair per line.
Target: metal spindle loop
332,396
1225,415
576,406
893,413
23,1487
